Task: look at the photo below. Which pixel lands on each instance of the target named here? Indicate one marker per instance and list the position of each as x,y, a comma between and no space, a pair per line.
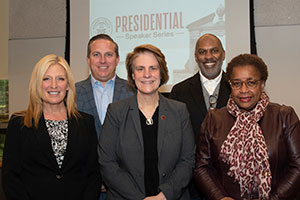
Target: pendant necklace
149,120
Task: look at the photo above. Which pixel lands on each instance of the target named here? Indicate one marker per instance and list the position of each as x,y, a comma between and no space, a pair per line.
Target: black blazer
190,92
30,170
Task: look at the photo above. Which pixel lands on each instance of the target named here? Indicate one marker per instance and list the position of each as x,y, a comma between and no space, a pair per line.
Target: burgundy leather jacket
281,129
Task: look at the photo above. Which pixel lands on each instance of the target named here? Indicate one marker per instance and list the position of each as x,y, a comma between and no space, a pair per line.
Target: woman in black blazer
51,149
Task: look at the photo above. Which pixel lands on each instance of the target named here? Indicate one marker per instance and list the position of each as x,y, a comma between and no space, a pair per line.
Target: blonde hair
35,106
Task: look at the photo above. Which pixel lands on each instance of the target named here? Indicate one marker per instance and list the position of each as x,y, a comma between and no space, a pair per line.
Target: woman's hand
160,196
227,198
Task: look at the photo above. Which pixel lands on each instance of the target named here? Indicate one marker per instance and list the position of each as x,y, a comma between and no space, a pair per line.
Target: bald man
207,89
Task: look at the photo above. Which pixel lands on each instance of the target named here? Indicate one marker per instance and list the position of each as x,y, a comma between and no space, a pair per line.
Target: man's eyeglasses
236,84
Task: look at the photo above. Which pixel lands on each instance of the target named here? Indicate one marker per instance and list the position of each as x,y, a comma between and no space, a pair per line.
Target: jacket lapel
72,131
162,122
135,117
89,95
197,93
117,89
44,142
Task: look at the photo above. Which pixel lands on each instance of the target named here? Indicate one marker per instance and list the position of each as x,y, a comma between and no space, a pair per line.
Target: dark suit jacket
86,101
121,151
190,92
30,170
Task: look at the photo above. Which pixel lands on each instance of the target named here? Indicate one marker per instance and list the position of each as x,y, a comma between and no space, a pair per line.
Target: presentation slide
173,26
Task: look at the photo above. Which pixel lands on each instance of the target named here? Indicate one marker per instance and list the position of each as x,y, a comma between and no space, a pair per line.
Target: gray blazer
86,101
121,151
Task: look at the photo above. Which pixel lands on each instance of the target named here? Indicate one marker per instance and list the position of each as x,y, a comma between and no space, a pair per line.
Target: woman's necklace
149,120
149,109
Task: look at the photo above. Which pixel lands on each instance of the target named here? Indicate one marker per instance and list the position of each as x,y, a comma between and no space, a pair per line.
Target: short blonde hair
160,57
35,106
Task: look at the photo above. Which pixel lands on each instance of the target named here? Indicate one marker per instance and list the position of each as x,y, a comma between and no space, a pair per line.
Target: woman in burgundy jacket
251,148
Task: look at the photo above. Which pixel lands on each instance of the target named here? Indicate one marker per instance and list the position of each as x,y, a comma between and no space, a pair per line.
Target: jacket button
59,176
163,174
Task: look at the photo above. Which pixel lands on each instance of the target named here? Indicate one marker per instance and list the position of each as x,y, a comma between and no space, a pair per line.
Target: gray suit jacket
86,101
121,151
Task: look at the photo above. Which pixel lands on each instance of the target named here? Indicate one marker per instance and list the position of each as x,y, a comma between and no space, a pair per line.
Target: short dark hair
159,57
248,59
103,37
209,35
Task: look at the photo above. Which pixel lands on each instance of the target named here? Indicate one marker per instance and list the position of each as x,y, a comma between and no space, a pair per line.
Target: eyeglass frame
249,86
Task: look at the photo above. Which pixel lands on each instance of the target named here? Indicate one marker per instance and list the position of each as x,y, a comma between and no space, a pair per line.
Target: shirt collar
214,81
94,81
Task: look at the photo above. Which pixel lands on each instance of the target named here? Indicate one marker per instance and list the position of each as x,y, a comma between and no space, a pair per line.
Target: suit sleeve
118,180
181,175
204,173
12,164
93,187
288,186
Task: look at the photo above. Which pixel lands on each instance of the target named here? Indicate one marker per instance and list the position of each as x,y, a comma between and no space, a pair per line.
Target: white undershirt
210,84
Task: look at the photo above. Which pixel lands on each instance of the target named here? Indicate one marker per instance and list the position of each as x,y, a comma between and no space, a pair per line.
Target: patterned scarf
245,150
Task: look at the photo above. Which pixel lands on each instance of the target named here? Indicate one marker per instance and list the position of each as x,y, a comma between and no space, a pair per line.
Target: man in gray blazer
103,86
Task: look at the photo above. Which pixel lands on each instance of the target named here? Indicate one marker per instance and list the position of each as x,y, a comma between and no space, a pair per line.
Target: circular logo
101,25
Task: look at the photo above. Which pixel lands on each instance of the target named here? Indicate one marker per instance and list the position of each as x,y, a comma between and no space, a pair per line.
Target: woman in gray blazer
146,147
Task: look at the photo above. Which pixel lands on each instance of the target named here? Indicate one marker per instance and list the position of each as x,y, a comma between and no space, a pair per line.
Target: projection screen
173,26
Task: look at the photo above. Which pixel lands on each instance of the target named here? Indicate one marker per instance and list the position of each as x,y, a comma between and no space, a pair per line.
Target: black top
150,154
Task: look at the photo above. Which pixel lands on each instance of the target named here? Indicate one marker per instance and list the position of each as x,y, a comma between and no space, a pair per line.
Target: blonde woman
50,150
